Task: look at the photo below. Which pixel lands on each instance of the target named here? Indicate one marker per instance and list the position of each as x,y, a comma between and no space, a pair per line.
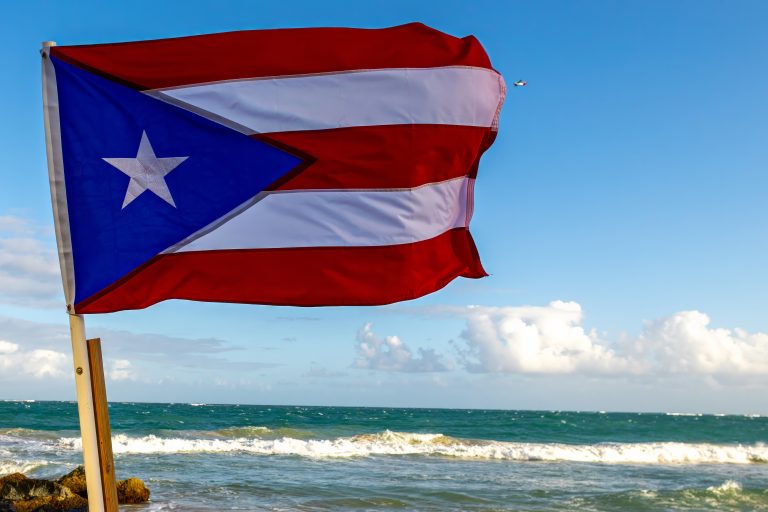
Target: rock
13,478
73,503
67,494
17,487
75,481
132,490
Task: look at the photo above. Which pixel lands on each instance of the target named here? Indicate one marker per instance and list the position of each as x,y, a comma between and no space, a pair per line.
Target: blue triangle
102,119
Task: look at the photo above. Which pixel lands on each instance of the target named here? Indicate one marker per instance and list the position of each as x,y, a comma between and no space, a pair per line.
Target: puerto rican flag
304,167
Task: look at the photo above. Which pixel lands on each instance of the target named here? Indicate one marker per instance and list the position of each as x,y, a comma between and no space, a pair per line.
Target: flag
307,167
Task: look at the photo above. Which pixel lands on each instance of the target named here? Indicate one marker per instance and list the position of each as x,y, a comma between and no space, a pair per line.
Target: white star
147,172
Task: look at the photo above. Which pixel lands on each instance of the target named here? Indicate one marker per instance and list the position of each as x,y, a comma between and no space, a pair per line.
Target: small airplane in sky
521,83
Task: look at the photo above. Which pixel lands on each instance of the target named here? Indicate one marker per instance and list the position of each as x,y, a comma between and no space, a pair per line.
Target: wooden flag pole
94,419
85,407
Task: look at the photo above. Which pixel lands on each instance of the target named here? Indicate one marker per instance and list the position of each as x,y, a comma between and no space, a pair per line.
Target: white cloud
528,339
29,269
685,343
42,349
121,369
552,340
45,363
37,363
6,347
391,354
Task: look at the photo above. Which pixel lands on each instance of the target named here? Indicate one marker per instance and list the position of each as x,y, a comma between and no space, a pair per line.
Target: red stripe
355,276
258,53
384,156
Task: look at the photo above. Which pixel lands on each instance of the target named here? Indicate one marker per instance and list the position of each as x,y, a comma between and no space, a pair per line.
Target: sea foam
404,443
729,486
8,466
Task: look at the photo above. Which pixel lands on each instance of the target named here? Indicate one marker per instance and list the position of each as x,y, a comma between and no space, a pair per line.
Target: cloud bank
35,353
37,363
29,268
552,340
685,343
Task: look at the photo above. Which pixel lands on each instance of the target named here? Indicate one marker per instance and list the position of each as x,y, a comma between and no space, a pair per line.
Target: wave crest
8,466
729,486
406,443
261,432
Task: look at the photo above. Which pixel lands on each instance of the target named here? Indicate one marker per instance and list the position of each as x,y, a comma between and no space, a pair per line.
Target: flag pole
86,409
89,382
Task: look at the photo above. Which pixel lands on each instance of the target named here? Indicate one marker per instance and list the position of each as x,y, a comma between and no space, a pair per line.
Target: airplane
521,83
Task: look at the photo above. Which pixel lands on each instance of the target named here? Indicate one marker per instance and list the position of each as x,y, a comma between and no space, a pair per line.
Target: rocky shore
67,494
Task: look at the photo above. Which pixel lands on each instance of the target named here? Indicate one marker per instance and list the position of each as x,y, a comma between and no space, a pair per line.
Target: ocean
207,457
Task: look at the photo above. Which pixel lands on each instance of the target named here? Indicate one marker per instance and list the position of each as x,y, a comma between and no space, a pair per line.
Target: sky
621,214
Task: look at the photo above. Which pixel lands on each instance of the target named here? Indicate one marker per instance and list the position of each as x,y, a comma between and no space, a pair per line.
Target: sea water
207,457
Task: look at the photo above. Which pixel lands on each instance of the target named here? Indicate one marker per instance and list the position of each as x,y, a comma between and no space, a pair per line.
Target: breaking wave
413,444
8,466
261,433
729,486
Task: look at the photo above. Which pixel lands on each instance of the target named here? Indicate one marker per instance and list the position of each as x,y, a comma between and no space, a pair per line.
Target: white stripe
340,218
449,95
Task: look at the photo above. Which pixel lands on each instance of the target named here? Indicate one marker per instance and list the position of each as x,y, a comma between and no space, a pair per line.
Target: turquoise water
198,457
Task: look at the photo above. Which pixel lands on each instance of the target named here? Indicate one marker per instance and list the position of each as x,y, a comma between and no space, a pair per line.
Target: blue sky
624,201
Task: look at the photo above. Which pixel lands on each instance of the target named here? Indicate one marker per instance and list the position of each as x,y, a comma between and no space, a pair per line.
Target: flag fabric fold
301,167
